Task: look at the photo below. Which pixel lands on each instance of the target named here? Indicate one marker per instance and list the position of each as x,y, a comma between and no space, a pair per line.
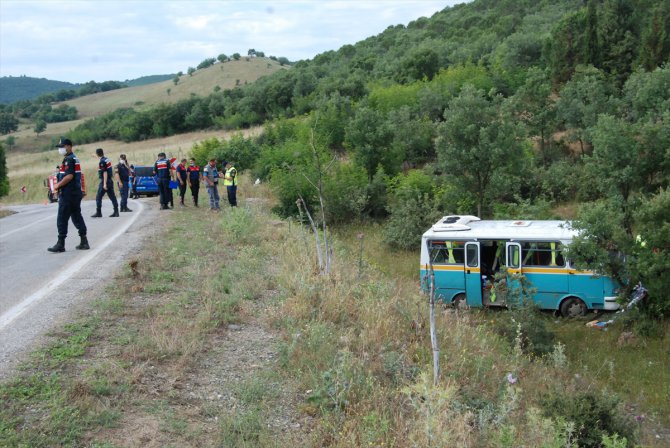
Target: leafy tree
283,61
251,52
369,137
236,56
40,126
4,179
206,63
582,99
222,58
8,123
566,48
655,39
534,107
617,37
175,80
477,145
412,137
10,141
190,71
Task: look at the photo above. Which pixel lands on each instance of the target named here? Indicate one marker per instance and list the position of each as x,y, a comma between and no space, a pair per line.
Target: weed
244,429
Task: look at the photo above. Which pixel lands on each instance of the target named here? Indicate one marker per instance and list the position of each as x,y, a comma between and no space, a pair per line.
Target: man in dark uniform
182,177
163,176
106,185
194,180
69,198
123,177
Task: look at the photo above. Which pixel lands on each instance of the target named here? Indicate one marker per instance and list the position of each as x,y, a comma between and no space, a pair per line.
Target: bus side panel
550,284
589,288
448,282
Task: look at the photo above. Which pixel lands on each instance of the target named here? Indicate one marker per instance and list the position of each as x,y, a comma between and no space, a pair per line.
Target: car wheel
573,307
460,302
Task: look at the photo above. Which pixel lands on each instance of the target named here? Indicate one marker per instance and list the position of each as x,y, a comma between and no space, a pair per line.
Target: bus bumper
611,304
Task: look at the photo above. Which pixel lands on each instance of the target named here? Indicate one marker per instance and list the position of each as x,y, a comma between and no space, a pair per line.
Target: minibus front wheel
573,307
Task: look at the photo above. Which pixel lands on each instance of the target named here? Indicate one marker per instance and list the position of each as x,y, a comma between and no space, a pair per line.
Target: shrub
409,219
595,416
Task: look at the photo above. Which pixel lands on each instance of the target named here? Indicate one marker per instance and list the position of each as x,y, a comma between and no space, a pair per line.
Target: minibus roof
472,228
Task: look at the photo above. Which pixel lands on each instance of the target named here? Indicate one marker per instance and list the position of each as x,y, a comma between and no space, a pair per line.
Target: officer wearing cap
106,185
69,199
163,176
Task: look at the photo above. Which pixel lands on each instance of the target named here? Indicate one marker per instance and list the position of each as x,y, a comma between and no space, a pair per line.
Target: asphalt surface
38,289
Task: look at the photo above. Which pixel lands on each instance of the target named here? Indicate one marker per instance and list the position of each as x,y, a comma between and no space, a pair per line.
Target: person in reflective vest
163,176
230,181
106,185
193,171
69,198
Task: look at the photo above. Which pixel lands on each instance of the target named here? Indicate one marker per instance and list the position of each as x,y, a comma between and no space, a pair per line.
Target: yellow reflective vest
230,177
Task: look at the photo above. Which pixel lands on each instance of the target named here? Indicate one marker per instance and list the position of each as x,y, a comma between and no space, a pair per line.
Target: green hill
16,88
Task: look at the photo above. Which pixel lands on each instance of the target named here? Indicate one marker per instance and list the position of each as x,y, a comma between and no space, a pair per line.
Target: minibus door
473,276
513,264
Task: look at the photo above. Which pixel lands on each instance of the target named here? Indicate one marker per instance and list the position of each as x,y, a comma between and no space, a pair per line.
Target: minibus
464,254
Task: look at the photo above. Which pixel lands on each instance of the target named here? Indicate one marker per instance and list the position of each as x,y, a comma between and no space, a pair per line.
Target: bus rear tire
573,307
459,302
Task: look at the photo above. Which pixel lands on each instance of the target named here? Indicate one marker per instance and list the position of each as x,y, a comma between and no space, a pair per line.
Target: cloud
78,41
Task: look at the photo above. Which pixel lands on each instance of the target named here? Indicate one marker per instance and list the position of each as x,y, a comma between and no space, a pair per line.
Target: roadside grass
140,337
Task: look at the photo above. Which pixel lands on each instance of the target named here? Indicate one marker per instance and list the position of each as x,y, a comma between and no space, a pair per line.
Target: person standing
194,180
211,177
69,198
106,185
230,181
182,177
164,175
123,178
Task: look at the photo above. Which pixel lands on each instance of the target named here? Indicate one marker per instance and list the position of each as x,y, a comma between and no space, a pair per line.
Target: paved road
38,288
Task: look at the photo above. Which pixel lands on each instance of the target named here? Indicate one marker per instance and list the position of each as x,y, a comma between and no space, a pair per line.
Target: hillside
16,88
201,83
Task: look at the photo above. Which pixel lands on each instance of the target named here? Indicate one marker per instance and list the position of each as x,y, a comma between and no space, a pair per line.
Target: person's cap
161,154
224,163
64,142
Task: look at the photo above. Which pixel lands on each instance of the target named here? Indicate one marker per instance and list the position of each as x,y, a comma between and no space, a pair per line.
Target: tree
4,180
251,52
534,107
8,123
190,71
10,141
582,99
175,80
206,63
478,143
40,126
369,138
222,58
236,56
655,40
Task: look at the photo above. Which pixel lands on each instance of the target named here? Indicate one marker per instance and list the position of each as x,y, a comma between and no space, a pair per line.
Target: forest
501,109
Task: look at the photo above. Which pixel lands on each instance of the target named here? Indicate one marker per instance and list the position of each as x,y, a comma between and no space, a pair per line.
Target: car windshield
144,171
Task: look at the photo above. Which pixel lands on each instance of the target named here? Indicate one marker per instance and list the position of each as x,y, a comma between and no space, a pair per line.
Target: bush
525,325
595,416
409,219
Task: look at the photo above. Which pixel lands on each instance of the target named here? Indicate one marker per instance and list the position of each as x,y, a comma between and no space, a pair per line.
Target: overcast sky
83,40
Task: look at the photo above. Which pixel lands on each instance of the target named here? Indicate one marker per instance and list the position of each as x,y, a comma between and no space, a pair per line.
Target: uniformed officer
194,180
182,177
123,178
69,198
106,185
230,181
163,176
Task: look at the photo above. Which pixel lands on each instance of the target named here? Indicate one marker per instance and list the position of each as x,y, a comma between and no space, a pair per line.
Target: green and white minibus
465,253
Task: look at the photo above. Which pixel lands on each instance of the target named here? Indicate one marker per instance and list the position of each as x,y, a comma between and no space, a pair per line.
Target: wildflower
511,378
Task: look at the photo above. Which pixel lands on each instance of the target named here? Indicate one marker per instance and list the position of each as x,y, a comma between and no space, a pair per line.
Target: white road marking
26,226
21,307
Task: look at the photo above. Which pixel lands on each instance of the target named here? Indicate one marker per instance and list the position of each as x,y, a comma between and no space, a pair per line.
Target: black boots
125,209
59,246
83,245
98,214
115,214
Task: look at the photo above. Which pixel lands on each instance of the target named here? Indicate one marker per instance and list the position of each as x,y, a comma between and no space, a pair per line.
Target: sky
100,40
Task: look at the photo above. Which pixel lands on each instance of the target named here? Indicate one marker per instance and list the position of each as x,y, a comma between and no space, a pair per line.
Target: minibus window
473,261
542,253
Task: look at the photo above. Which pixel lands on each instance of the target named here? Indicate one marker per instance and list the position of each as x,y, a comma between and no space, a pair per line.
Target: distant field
202,83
